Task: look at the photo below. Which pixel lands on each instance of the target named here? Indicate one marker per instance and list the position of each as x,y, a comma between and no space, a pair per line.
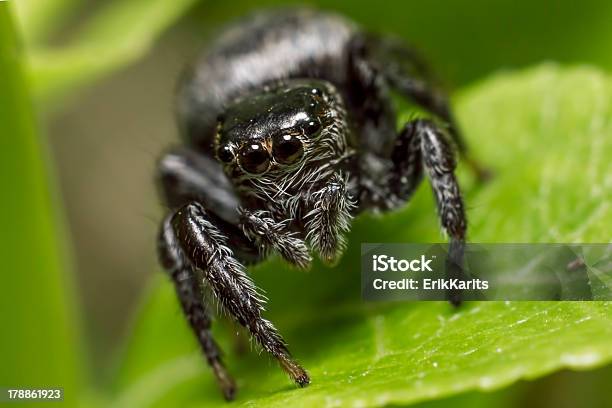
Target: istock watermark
383,263
487,272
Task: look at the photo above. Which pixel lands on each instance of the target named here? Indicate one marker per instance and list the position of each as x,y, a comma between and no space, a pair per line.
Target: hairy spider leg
404,70
189,293
194,239
422,145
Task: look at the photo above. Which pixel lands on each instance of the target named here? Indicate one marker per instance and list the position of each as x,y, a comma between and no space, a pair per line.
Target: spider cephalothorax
290,131
276,142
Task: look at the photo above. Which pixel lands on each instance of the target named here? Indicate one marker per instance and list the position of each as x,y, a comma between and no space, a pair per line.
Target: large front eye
254,158
287,149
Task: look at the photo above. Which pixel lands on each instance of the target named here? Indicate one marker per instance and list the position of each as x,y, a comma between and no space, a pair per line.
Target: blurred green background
86,105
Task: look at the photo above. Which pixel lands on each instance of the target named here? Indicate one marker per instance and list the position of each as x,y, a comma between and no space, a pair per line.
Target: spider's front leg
189,292
205,247
329,218
423,145
200,246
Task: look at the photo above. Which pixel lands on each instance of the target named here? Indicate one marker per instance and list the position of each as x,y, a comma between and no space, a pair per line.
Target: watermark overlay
486,272
15,394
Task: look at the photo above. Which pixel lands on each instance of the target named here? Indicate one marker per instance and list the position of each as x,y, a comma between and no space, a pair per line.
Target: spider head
277,131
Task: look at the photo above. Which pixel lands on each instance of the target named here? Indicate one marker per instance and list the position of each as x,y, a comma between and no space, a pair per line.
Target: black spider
290,132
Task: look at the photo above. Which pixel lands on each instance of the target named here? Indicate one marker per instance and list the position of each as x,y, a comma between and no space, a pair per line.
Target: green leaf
117,35
39,342
546,132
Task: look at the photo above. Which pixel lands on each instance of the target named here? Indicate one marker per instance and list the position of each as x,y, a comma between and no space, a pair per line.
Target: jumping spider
290,132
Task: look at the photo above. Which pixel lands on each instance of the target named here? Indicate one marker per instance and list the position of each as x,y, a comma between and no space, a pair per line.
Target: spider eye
287,149
254,158
312,127
224,153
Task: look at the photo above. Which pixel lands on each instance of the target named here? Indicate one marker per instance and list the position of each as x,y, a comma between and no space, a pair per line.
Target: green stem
40,343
